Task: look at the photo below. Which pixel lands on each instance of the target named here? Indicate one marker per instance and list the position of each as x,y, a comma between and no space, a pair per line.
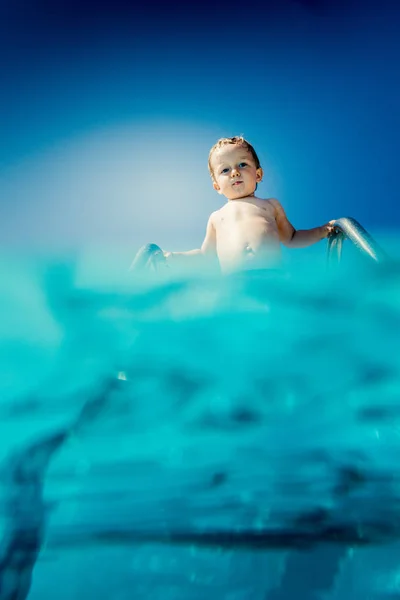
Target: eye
242,164
225,170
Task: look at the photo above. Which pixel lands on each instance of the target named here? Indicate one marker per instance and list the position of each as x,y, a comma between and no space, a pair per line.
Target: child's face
234,171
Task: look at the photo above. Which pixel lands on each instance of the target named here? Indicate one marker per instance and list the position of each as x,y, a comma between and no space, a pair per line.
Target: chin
242,194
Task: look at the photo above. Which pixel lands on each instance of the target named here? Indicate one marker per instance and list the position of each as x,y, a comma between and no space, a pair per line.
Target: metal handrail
149,256
349,228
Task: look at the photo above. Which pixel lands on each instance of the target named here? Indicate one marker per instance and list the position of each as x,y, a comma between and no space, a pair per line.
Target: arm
300,238
208,247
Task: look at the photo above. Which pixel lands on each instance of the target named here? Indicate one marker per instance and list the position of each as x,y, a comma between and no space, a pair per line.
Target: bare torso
247,235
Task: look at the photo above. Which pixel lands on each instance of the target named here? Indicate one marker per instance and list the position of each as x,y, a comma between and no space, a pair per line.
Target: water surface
192,436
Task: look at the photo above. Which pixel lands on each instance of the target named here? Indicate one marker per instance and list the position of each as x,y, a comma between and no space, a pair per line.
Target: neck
242,197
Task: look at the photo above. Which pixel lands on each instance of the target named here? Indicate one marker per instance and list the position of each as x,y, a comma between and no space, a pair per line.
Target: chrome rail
149,256
349,228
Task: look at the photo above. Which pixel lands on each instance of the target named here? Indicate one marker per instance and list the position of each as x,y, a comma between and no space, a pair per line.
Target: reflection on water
196,436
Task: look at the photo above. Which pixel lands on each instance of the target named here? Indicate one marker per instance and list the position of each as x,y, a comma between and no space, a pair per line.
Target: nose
235,172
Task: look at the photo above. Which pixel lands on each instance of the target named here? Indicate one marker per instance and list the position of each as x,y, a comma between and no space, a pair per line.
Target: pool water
193,436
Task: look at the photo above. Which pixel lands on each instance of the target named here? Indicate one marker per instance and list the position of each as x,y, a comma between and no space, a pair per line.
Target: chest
240,211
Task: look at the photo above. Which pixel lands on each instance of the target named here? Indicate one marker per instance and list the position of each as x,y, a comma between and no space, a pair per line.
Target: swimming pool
249,420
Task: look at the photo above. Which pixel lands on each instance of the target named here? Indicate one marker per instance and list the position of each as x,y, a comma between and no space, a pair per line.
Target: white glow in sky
131,183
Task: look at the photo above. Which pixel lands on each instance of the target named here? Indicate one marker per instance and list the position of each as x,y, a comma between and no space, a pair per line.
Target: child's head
234,167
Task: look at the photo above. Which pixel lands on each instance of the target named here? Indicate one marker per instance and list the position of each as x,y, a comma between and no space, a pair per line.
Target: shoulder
213,218
275,203
276,206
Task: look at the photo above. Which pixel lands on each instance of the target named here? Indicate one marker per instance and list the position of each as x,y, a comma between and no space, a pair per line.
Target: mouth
237,183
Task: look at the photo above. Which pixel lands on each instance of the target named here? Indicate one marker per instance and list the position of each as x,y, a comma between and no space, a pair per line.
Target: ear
216,187
259,175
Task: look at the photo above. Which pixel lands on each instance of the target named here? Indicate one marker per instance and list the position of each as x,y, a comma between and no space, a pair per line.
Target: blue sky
108,113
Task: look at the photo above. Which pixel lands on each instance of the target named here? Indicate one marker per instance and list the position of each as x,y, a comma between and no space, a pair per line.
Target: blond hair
239,141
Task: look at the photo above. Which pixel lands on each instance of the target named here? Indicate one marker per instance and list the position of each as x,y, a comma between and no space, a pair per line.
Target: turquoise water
192,436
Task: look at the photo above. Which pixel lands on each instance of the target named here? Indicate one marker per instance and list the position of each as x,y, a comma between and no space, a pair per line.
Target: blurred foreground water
198,436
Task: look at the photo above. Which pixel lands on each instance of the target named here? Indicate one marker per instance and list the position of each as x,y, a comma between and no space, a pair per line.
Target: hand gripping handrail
149,256
349,228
